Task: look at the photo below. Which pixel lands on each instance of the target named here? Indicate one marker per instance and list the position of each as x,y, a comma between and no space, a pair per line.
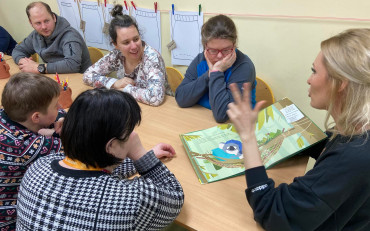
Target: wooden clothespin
82,25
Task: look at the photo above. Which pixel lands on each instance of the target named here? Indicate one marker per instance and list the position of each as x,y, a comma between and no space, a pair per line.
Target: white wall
282,49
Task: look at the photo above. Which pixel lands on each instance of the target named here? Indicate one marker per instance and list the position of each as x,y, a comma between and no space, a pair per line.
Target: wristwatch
41,68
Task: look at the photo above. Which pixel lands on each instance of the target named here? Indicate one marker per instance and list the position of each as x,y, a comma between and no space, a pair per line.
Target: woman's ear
109,147
343,86
115,45
116,148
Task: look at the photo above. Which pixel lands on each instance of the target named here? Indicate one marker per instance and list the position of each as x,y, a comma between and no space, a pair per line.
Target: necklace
79,165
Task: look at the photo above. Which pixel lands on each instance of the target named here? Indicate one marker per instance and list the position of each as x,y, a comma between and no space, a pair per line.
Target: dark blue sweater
334,195
193,88
7,43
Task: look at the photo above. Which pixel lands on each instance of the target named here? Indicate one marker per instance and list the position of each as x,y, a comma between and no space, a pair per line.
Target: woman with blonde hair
335,194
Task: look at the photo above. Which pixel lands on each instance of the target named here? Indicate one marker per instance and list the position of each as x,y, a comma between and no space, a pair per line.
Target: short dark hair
33,4
120,20
26,93
94,118
219,27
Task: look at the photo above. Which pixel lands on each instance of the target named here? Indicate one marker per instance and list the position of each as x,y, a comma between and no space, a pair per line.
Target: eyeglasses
223,51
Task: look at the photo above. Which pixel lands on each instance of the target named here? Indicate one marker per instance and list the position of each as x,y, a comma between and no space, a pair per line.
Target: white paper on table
185,31
68,9
92,14
292,113
149,23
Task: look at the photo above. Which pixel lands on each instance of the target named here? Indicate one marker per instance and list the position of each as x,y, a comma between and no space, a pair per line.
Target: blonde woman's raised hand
241,113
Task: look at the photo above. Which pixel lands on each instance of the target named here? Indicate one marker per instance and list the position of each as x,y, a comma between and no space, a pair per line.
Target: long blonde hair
347,59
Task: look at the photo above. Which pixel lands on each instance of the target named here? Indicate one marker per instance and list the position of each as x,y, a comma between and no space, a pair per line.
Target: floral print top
149,75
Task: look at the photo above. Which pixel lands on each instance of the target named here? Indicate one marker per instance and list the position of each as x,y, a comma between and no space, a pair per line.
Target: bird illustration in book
231,149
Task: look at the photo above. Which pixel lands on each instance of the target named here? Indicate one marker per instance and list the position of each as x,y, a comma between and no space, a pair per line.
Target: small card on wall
171,45
106,28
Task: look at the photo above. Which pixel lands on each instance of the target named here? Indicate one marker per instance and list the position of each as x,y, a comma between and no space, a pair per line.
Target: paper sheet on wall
185,31
92,14
108,9
69,10
149,23
108,18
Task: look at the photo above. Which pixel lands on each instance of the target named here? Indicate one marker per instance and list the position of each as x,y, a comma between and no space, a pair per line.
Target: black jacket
334,195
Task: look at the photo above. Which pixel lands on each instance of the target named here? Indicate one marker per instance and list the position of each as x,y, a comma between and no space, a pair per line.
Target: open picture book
282,131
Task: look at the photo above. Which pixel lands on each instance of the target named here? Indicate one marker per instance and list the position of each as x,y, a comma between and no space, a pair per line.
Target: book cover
282,131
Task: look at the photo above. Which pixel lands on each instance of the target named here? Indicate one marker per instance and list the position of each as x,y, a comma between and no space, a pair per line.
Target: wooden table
216,206
220,205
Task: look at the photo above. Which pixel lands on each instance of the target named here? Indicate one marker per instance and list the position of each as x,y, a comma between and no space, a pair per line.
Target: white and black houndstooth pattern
55,198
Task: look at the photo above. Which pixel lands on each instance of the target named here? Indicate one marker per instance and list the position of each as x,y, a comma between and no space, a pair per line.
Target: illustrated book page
282,131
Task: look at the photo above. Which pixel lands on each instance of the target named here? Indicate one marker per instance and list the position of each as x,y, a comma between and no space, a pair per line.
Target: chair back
35,57
95,54
264,92
174,78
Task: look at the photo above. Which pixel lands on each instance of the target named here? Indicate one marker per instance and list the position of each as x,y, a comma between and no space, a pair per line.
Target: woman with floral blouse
140,68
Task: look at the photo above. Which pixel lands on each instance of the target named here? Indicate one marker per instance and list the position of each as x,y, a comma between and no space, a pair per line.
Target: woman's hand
135,149
244,119
163,150
210,65
241,113
225,63
122,83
